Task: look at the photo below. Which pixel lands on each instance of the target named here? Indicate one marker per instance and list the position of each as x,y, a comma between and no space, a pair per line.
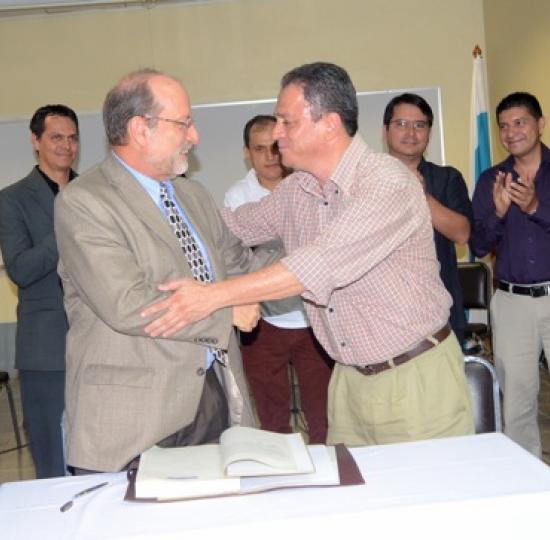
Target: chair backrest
475,282
485,392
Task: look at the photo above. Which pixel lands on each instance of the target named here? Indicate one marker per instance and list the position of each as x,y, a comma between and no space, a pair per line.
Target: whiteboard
218,160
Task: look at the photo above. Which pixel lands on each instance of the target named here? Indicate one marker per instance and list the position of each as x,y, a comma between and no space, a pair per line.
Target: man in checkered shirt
358,234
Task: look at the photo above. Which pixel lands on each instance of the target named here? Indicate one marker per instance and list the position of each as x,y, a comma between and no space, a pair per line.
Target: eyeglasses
184,124
417,125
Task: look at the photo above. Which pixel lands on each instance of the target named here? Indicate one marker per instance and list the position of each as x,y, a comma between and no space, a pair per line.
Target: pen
69,504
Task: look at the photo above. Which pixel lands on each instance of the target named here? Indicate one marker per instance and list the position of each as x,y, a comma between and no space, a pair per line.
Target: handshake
246,317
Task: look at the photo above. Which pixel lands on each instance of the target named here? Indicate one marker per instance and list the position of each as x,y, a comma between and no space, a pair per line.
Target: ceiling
16,8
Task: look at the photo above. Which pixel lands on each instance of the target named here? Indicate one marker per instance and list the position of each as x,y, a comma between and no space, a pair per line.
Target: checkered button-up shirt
362,246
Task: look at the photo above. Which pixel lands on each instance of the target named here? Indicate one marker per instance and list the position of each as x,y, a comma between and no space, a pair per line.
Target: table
463,487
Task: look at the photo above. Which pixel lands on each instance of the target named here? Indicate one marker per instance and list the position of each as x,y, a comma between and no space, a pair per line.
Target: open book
247,460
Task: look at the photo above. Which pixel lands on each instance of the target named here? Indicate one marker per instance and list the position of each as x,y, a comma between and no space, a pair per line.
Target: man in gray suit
30,254
120,229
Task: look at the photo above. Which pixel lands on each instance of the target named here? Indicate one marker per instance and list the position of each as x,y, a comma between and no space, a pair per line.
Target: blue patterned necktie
191,249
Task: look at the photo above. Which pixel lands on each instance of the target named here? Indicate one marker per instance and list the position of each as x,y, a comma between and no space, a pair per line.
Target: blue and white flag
480,140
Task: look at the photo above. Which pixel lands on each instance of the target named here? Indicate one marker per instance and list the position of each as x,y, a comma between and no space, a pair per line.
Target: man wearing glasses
127,225
408,121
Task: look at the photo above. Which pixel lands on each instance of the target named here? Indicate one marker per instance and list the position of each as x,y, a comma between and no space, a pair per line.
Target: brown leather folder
349,473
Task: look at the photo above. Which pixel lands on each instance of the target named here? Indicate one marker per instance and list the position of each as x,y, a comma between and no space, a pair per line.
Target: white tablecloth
464,487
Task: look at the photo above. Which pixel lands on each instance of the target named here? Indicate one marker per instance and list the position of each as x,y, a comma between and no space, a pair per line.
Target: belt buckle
535,292
541,290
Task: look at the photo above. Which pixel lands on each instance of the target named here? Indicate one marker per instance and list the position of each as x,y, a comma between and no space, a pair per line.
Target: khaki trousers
425,398
521,328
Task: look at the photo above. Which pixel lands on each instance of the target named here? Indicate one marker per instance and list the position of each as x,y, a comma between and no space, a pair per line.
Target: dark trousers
267,353
43,400
211,419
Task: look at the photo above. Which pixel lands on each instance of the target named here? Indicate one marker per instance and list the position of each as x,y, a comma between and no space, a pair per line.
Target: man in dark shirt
512,217
29,250
408,120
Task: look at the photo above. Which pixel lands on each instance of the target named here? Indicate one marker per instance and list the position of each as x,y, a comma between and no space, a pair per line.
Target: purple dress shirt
521,241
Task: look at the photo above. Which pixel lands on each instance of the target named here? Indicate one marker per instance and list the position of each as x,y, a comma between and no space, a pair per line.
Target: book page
326,474
252,452
185,472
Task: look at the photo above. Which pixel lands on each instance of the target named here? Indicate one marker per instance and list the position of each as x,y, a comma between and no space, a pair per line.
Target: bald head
132,96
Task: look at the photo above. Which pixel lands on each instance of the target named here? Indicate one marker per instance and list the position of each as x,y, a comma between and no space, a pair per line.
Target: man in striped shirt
359,239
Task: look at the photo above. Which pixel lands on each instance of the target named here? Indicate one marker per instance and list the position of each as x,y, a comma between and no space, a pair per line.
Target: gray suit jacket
125,390
30,254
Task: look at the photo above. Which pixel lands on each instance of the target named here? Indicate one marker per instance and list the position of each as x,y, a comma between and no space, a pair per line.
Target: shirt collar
149,184
252,176
422,165
54,186
343,175
544,158
545,153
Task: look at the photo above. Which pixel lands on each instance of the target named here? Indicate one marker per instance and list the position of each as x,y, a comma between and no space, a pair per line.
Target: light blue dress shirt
152,187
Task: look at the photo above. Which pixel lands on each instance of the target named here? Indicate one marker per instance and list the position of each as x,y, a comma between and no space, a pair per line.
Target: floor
17,464
14,464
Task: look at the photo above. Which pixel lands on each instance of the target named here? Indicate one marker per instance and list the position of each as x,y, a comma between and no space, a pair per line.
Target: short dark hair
521,99
408,99
327,88
259,120
132,96
37,125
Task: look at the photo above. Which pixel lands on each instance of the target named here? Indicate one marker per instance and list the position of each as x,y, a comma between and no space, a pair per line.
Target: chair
5,383
485,391
476,285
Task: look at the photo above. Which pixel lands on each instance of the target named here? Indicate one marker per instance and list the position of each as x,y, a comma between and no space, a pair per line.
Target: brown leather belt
423,346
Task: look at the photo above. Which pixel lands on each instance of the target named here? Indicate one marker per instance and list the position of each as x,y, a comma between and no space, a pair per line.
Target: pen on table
91,489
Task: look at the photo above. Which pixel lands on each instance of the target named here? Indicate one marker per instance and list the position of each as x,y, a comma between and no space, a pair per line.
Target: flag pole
480,138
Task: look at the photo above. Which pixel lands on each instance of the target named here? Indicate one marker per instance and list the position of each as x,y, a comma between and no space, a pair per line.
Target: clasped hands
521,192
191,301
